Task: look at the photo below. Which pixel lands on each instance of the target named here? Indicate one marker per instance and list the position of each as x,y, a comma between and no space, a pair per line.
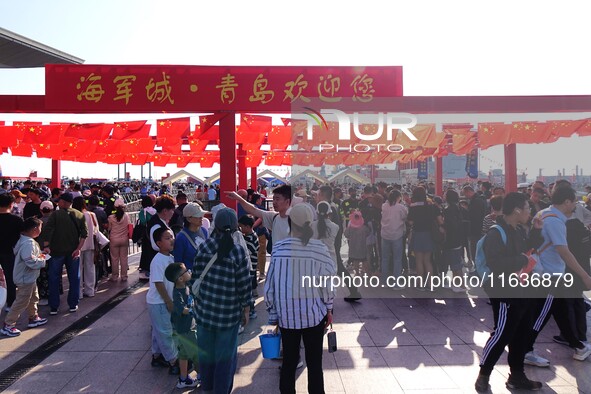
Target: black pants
546,307
513,321
313,339
577,317
7,263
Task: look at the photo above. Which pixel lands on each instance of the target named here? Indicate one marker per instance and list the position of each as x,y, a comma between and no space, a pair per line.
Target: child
246,222
357,233
160,305
28,262
183,322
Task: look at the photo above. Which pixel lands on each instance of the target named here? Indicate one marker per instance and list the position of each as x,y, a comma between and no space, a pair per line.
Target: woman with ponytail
324,229
297,301
222,302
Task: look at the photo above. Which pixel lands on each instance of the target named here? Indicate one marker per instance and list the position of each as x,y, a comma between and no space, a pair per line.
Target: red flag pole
242,177
228,158
511,168
56,173
439,176
253,178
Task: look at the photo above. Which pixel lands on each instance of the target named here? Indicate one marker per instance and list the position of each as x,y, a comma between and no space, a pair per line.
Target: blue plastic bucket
270,344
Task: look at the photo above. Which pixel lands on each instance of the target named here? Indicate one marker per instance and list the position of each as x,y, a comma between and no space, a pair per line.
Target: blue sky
446,48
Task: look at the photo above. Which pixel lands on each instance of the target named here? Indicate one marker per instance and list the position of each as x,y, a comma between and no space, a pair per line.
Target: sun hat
193,210
300,214
216,209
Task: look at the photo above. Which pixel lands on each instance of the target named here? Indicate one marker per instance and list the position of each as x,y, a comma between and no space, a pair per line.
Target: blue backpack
482,268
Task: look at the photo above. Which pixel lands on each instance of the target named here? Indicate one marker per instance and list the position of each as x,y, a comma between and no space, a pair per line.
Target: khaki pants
26,298
262,256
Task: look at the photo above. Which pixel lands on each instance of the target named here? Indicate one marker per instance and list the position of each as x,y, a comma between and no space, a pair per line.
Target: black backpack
578,238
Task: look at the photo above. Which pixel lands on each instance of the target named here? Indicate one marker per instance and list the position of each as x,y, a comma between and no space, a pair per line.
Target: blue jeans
391,253
162,340
54,270
217,358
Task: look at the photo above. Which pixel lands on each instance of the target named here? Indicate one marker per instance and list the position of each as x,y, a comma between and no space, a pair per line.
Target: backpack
482,267
579,241
270,236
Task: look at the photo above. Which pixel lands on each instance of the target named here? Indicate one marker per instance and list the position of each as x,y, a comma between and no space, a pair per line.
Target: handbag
331,338
102,241
197,283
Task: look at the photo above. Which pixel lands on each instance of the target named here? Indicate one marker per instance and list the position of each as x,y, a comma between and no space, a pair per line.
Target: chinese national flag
8,138
563,128
585,129
491,134
172,147
126,130
42,134
143,145
138,159
274,159
463,143
108,147
75,147
198,146
22,149
116,158
48,151
89,131
159,160
529,133
211,134
279,137
206,122
173,128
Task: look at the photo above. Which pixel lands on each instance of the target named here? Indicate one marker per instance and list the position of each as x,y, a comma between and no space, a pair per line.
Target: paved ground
386,345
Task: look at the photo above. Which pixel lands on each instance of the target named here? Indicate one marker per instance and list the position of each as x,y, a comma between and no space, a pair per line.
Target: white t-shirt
279,227
157,267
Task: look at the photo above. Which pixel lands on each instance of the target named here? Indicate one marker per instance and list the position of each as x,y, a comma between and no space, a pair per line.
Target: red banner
128,88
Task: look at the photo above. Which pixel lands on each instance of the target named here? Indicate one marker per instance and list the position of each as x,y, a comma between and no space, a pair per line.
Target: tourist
119,241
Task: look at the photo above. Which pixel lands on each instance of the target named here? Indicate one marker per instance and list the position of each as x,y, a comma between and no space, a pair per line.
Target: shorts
421,241
187,345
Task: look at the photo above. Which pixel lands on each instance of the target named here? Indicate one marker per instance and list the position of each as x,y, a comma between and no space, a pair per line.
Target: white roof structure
340,176
270,174
180,175
307,174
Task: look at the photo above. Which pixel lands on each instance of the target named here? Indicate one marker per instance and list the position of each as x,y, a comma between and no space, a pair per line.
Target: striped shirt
225,289
292,300
252,242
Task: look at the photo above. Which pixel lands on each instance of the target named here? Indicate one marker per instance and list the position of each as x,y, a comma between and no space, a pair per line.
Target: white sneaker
582,354
241,329
531,358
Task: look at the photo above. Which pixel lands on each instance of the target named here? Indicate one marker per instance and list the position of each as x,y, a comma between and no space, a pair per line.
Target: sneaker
36,322
53,312
560,339
531,358
241,329
522,383
74,309
187,382
10,331
582,354
159,361
481,384
352,298
43,302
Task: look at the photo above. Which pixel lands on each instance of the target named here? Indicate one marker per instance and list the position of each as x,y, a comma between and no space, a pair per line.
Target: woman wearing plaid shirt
222,303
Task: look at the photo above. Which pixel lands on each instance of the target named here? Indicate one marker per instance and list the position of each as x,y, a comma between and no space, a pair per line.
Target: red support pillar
56,173
253,178
242,177
510,168
439,176
228,158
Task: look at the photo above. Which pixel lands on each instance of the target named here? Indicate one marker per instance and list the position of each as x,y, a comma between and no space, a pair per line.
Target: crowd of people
204,267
